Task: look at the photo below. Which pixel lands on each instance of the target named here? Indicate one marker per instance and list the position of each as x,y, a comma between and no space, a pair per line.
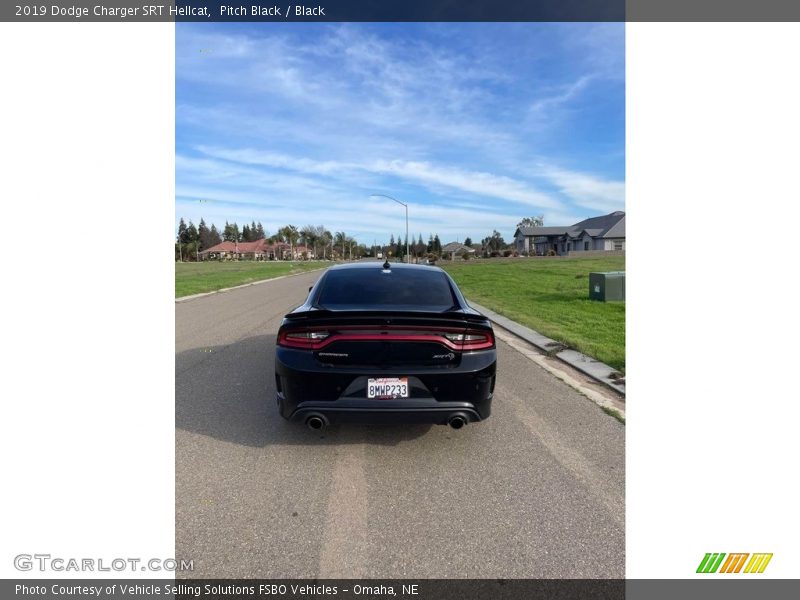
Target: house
236,250
454,249
258,250
303,252
604,233
538,240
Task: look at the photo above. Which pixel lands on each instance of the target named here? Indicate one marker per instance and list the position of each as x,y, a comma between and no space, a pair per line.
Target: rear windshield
402,289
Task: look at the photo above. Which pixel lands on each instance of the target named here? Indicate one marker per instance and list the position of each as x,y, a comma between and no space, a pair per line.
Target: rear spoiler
467,314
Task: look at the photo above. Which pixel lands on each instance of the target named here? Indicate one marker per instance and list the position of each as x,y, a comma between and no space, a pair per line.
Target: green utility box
607,287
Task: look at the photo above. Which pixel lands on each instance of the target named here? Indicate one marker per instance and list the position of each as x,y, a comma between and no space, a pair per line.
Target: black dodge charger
385,343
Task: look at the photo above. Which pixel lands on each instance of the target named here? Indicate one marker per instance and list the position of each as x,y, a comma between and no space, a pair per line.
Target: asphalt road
537,490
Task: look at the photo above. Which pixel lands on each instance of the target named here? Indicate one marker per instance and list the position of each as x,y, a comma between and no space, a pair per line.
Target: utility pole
406,207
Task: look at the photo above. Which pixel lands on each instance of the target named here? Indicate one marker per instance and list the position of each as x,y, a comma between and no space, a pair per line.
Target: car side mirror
311,287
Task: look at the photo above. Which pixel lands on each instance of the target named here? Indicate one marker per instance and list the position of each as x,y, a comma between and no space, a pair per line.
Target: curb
244,285
585,364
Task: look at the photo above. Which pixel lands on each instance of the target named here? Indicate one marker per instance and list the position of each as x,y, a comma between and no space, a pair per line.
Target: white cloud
591,192
293,127
545,106
475,182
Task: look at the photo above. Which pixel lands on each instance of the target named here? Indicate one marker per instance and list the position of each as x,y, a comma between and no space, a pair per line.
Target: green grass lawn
550,295
194,278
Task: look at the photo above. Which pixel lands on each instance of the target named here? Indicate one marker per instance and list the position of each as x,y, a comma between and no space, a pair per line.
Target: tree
293,235
231,232
213,236
437,244
400,251
191,251
204,235
260,233
419,247
183,236
494,243
340,238
246,233
468,241
352,246
531,222
322,237
290,235
309,233
193,245
281,236
326,239
314,235
430,247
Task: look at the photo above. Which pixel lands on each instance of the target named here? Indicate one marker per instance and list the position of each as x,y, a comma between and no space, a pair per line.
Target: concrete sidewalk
585,364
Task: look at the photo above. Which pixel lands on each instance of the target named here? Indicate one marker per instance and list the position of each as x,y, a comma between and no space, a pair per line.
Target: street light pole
408,259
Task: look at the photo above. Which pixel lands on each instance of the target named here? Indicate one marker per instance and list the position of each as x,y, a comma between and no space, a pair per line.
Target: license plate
387,387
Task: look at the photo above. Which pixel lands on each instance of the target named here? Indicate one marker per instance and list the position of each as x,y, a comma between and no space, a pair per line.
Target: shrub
466,256
506,253
551,252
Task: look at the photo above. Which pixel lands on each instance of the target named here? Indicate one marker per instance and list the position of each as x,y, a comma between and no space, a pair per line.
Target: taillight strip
431,335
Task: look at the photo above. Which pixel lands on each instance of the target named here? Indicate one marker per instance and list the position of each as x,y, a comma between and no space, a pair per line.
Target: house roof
605,226
241,247
617,230
457,247
599,226
540,231
222,247
579,233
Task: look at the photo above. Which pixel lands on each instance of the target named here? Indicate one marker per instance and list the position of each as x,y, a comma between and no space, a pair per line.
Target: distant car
380,254
385,343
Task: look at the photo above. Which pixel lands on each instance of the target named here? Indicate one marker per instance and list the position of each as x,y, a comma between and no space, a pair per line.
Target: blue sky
474,125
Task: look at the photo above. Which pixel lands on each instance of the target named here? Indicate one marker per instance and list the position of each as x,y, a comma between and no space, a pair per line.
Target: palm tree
341,238
327,240
310,236
290,234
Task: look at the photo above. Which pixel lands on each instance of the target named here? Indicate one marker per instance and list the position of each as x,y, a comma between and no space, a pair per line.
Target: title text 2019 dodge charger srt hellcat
385,343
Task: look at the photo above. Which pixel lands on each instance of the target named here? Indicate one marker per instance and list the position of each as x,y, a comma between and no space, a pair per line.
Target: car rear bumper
304,388
416,410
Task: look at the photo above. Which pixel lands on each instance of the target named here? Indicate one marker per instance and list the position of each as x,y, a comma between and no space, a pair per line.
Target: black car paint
329,384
